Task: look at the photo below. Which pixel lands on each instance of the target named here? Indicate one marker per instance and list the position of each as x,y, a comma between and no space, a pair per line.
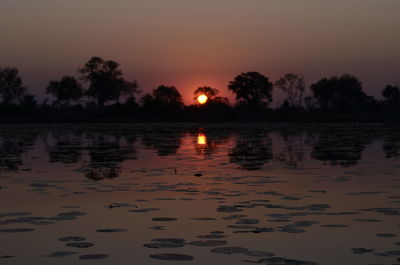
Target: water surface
204,194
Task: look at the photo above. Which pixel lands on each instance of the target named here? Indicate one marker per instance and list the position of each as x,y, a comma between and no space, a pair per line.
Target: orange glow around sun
202,99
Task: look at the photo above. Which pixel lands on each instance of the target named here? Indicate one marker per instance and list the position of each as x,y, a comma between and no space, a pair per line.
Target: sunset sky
191,43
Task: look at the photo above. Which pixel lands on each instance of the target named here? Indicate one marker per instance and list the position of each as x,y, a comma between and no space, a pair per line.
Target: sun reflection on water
201,139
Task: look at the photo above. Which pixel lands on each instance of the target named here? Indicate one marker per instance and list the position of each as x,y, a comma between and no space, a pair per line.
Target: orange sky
190,43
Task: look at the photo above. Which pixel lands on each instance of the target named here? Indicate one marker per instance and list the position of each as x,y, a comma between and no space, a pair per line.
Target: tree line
102,91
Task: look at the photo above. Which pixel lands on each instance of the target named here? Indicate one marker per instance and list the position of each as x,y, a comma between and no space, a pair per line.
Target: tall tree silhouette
339,93
106,81
66,90
294,87
11,89
252,88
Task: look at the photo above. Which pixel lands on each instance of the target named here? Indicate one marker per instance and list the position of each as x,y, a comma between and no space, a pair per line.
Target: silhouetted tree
294,87
11,89
164,101
310,103
66,90
212,95
391,95
339,93
106,81
210,92
28,103
168,95
252,88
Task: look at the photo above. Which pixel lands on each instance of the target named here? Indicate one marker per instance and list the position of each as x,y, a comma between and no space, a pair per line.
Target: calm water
231,194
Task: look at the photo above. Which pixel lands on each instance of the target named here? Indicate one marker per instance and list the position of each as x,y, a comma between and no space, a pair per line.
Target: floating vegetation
212,236
208,243
164,219
144,210
60,254
203,218
16,230
7,257
335,226
72,239
169,240
80,244
93,257
283,261
365,220
259,253
386,235
229,250
279,179
68,216
171,257
120,205
164,245
361,250
113,230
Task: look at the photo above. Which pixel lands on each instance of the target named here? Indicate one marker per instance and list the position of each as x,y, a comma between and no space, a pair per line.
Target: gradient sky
190,43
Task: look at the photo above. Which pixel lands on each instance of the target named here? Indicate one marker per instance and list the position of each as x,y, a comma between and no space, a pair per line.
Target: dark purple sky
191,43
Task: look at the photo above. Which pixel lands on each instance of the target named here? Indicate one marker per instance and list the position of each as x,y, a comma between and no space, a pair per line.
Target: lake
278,194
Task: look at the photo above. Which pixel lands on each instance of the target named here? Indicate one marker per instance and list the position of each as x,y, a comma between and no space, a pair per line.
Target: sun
202,99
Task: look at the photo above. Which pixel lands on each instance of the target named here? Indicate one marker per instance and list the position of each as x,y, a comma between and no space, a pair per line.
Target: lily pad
172,257
208,243
60,254
80,244
115,230
229,250
16,230
72,239
93,256
164,219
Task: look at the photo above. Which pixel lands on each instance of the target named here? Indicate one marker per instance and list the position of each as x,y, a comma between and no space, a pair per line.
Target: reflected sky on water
325,194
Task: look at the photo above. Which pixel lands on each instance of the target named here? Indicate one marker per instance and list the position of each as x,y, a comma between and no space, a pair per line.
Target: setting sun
202,99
